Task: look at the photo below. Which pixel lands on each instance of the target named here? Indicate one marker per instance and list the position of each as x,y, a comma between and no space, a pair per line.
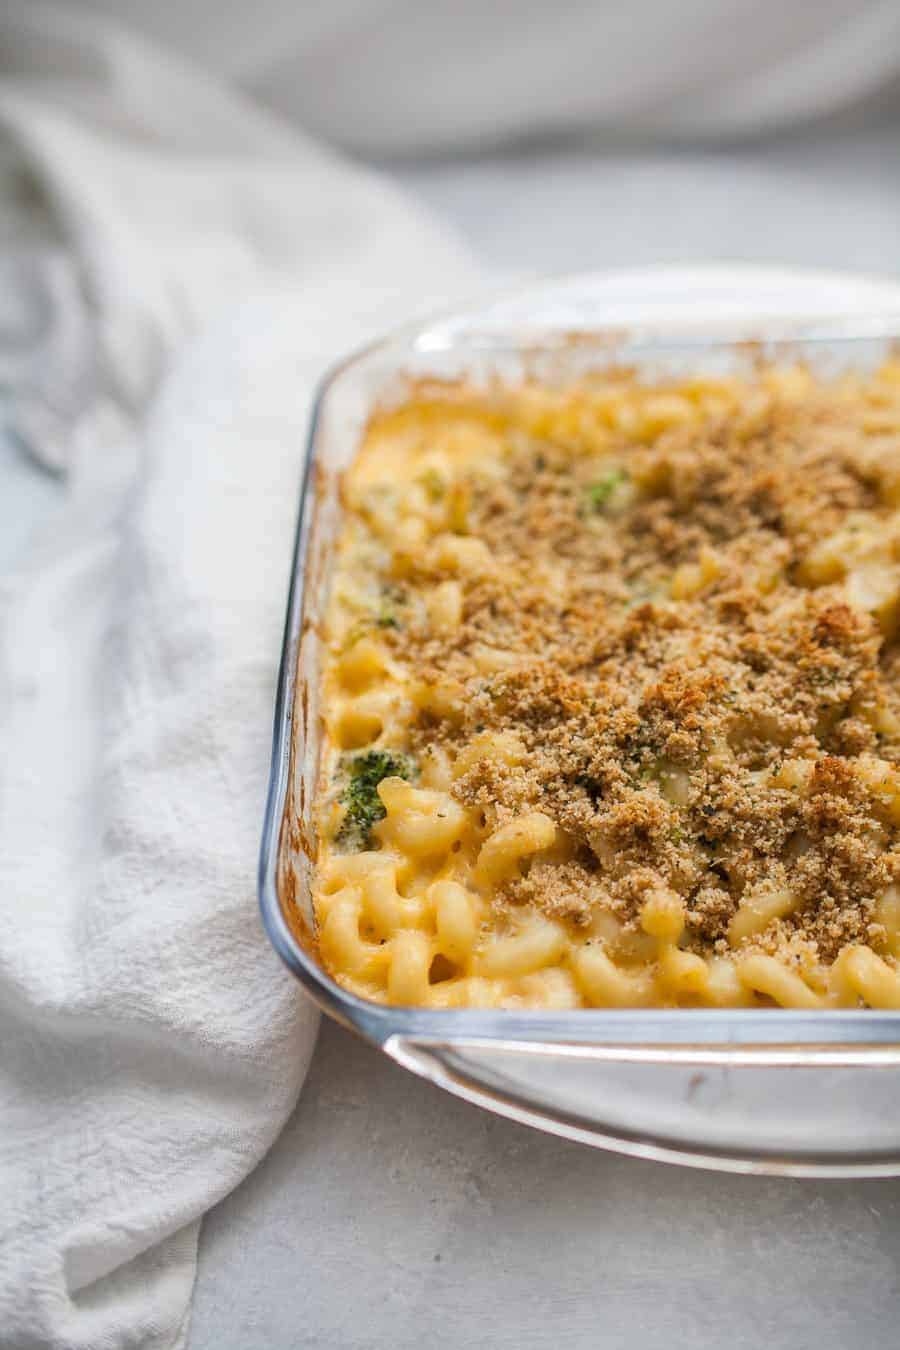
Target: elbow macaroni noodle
419,871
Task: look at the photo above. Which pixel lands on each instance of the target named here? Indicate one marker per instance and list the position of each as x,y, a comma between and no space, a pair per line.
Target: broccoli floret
360,796
599,493
392,598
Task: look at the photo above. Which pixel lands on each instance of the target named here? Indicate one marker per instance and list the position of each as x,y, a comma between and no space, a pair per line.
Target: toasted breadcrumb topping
691,636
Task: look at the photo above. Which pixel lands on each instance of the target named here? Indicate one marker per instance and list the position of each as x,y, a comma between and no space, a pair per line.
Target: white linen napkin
184,268
403,77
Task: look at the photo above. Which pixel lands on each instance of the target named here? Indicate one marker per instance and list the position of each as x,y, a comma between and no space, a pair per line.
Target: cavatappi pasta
612,697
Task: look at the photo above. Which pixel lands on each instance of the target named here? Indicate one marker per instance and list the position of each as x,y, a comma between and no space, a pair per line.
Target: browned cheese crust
670,639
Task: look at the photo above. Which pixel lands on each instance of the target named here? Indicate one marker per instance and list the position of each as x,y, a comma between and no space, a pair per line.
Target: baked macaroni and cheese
612,697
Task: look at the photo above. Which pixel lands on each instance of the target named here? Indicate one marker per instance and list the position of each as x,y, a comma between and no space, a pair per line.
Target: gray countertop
390,1214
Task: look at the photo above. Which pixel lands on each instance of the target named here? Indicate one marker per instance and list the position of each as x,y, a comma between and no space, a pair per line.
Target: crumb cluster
663,651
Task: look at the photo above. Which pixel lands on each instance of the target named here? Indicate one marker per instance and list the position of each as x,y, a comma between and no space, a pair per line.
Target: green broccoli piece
599,493
392,598
360,796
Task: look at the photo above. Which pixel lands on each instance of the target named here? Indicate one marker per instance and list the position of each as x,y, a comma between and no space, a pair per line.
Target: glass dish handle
655,1100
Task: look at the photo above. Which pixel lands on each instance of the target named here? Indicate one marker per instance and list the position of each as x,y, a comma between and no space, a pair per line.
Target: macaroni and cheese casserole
612,696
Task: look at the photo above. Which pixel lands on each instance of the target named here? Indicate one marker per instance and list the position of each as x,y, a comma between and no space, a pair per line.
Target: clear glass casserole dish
746,1089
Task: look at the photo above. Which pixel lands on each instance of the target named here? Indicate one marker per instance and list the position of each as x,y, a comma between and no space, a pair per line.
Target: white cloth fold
414,77
184,271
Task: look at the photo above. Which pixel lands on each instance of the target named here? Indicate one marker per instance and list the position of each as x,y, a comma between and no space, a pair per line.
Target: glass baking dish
758,1090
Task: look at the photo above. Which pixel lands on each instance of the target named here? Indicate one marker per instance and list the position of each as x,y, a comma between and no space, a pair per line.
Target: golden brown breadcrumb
664,652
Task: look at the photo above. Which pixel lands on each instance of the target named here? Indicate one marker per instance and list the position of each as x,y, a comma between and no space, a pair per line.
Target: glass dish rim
692,1029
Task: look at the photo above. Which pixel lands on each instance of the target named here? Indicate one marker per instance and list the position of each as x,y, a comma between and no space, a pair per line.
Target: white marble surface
389,1214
